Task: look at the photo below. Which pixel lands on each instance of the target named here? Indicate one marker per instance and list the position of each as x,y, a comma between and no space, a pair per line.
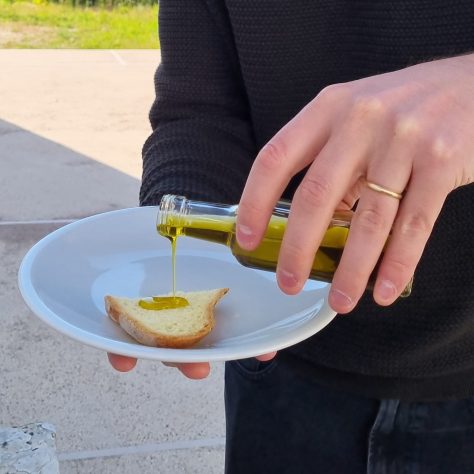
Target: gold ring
381,189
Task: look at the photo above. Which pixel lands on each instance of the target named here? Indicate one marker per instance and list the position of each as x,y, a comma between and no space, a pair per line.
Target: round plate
66,275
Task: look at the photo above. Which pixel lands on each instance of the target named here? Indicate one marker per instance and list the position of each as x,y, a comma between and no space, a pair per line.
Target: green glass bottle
216,223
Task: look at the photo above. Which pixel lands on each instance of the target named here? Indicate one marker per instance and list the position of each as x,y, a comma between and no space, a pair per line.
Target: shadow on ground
40,179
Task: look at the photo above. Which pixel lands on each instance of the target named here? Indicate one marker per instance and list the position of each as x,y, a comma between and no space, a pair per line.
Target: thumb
266,357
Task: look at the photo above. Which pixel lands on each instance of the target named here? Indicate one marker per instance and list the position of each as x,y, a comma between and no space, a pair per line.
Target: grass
48,25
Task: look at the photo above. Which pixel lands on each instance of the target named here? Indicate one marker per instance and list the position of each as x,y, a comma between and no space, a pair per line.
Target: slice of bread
178,328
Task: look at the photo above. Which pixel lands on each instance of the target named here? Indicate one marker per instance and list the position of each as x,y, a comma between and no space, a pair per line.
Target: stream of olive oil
167,302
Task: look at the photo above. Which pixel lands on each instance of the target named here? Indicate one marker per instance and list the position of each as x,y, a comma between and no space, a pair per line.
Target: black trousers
281,420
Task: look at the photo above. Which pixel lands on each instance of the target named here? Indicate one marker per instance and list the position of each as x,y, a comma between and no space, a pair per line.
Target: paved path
72,124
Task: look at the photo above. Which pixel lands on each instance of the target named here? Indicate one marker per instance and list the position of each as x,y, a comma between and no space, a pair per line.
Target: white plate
65,276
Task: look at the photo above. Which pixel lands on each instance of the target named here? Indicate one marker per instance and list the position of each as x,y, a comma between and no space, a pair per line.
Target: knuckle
397,266
436,158
415,224
272,155
441,151
250,208
414,130
408,126
354,276
293,252
334,92
369,105
371,221
419,128
314,191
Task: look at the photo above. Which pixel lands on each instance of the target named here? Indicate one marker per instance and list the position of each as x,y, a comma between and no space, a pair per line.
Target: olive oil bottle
216,223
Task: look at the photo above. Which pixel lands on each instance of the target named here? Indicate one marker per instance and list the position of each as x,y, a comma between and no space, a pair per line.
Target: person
366,105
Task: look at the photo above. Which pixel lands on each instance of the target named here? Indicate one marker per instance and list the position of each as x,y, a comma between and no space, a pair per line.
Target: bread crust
157,339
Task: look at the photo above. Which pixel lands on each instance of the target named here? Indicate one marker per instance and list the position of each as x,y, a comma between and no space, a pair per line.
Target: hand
409,131
196,371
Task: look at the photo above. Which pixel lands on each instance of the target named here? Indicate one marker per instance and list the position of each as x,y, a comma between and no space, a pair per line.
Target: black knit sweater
232,73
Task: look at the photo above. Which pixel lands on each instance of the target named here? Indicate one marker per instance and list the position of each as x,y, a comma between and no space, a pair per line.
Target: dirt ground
12,35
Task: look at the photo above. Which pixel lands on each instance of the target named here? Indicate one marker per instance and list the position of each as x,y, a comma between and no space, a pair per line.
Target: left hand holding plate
198,370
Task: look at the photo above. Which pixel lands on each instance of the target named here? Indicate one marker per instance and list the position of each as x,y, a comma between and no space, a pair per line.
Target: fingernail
340,300
244,234
386,290
287,279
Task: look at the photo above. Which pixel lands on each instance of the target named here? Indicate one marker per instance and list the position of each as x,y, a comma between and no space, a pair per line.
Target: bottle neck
208,221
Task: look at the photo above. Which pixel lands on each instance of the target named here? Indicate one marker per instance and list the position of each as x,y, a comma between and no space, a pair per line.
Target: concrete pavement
72,124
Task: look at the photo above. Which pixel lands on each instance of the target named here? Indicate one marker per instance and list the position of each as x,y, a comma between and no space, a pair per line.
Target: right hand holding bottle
406,135
195,370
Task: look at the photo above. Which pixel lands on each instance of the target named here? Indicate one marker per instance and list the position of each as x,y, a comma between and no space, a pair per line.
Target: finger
370,227
334,172
195,370
319,194
391,168
288,152
266,357
122,363
418,212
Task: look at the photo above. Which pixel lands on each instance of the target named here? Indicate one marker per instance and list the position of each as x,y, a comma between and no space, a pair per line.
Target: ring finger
370,227
414,223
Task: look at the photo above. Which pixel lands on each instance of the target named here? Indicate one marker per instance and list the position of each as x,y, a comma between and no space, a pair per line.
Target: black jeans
279,420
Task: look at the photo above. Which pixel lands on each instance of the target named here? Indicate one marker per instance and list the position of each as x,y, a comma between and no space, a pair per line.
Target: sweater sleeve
202,145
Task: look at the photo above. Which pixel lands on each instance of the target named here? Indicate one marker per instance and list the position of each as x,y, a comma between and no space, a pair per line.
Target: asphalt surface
72,124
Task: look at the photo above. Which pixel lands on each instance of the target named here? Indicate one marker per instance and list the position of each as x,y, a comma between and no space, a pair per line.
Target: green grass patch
49,25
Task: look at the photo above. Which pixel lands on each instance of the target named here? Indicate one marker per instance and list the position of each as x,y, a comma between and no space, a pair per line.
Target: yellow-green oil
265,256
157,303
